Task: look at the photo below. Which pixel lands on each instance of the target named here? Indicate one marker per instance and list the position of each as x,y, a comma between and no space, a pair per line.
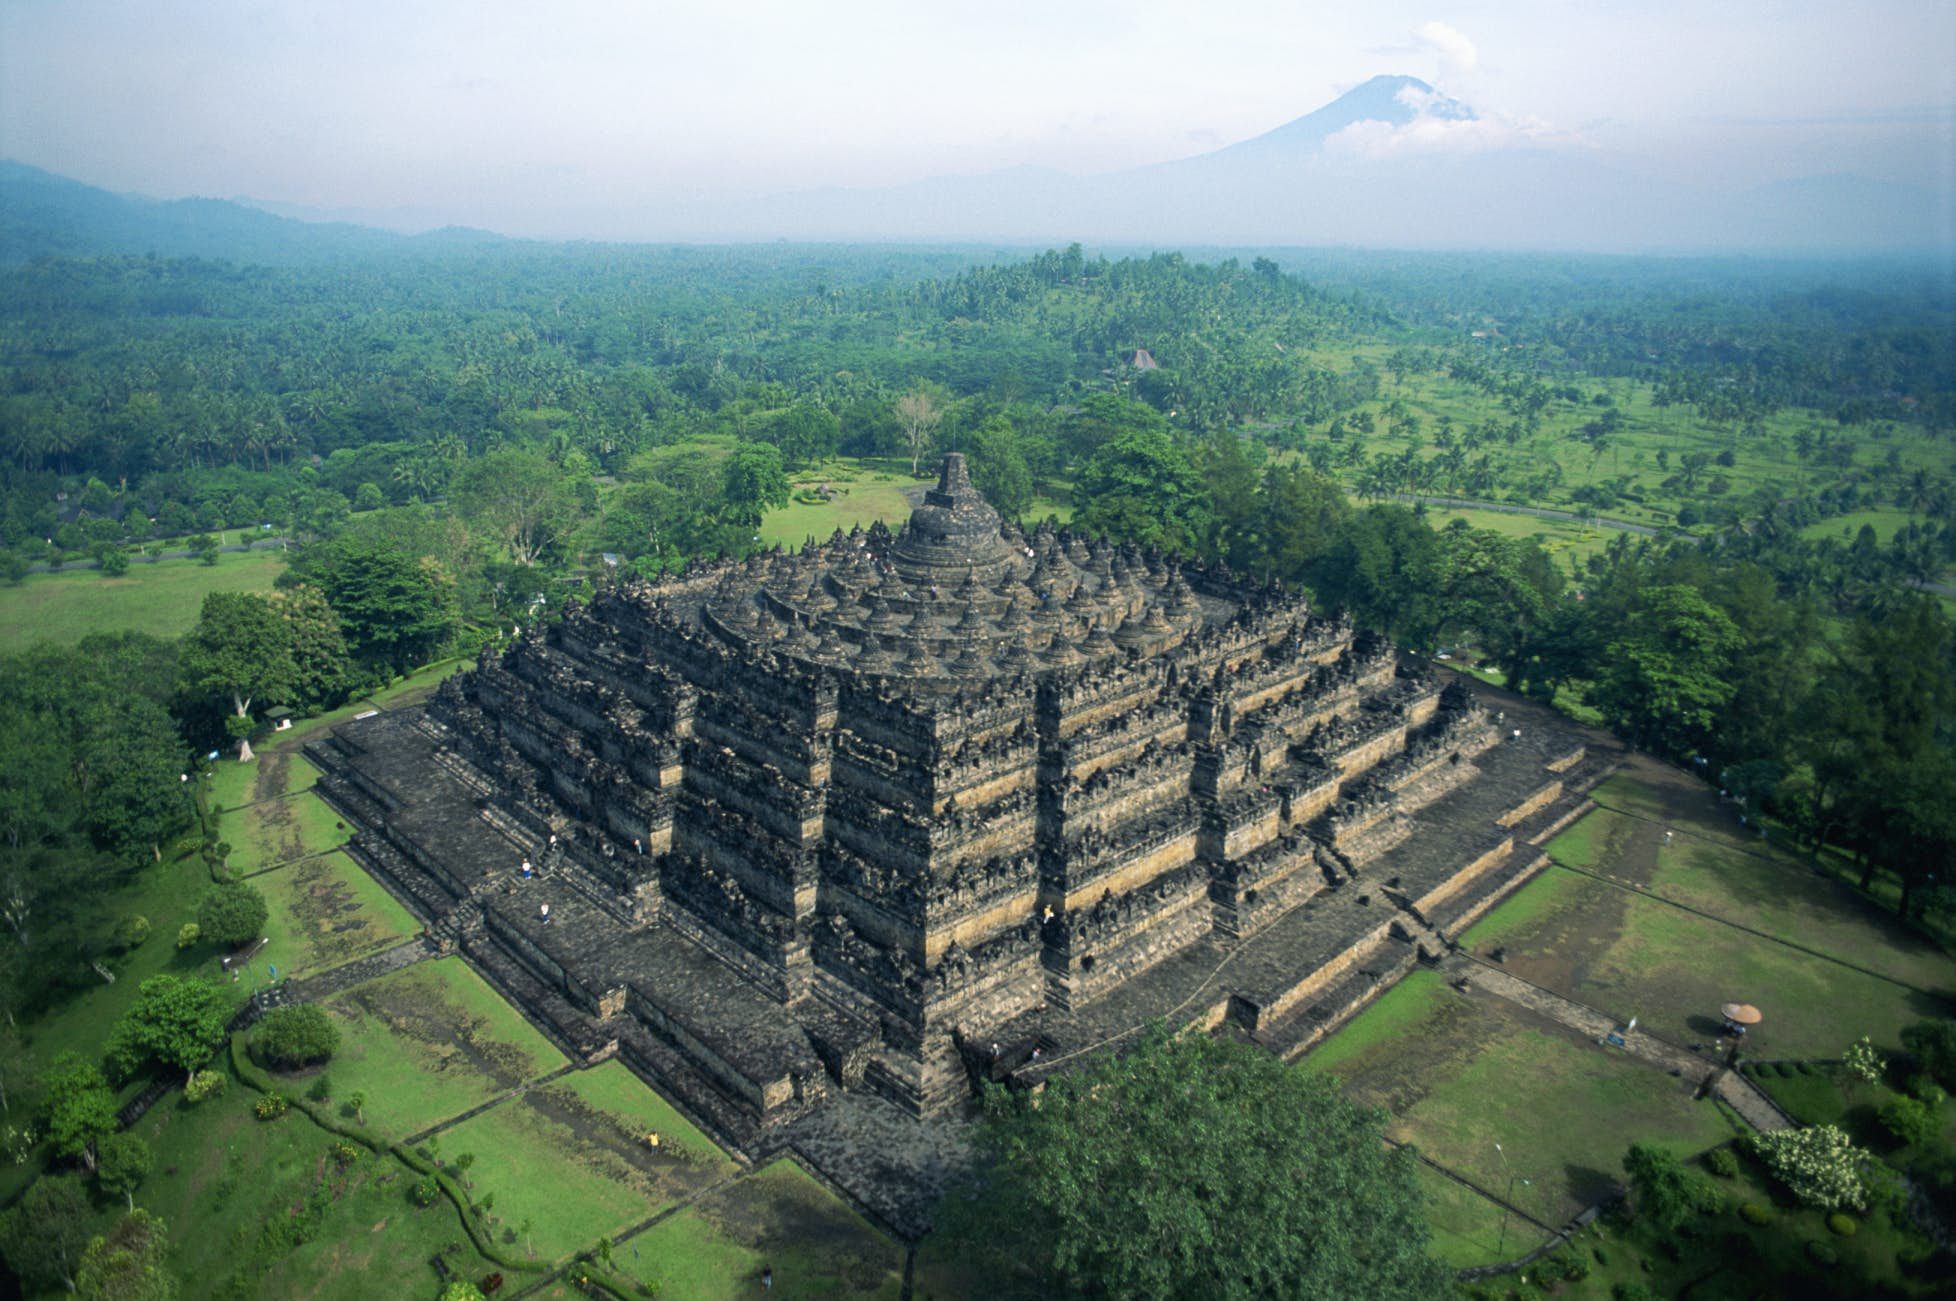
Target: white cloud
1450,43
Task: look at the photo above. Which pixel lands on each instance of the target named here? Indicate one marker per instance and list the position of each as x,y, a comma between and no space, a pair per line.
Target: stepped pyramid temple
824,837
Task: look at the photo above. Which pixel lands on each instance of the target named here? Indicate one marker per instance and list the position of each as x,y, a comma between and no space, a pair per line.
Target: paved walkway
1752,1105
316,989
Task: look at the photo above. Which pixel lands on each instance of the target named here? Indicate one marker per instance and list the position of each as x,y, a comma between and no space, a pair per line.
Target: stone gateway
858,826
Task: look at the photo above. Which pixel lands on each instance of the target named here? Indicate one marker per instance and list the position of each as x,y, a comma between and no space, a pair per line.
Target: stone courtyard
820,841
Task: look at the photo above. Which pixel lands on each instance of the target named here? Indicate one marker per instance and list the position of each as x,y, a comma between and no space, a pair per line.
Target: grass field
282,830
1886,522
235,1190
325,912
864,496
777,1218
588,1131
429,1042
1548,466
276,771
162,598
1461,1073
1467,1228
1617,943
1568,542
167,895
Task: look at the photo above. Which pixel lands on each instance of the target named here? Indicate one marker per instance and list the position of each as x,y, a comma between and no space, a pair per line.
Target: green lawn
325,912
1631,954
1887,522
429,1042
569,1159
1468,1229
276,771
1459,1074
1569,542
778,1217
167,895
162,598
863,496
284,830
230,1187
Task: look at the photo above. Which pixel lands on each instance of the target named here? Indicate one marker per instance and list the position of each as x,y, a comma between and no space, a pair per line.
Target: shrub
1823,1253
1818,1165
1665,1192
320,1089
1863,1062
1934,1046
291,1037
1843,1224
131,931
1721,1162
204,1084
231,915
1910,1120
1754,1213
1631,1290
424,1192
1601,1253
1923,1088
270,1107
344,1153
1547,1270
188,935
1575,1269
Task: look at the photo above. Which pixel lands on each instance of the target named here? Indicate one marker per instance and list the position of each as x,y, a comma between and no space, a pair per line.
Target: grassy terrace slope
1665,909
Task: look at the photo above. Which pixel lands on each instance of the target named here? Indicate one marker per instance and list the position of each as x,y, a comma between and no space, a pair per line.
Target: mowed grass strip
1459,1074
275,772
1468,1228
277,831
1714,864
570,1159
862,499
229,1186
325,912
1632,954
429,1042
163,599
1783,897
778,1218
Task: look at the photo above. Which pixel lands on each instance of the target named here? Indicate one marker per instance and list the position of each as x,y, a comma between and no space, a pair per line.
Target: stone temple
825,837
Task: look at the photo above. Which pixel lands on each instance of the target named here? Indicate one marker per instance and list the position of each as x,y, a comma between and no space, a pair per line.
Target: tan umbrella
1743,1013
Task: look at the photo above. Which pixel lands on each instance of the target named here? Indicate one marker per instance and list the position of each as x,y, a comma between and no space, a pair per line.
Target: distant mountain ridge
1391,163
46,215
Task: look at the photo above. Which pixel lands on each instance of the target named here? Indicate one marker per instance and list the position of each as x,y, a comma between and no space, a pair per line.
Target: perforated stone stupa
895,813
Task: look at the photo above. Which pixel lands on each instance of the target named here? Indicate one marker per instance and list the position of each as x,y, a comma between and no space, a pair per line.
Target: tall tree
77,1107
240,654
1143,487
755,483
394,608
1193,1166
43,1235
128,1263
919,411
520,498
176,1023
1663,679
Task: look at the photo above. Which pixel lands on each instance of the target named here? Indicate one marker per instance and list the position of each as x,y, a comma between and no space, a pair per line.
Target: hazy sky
562,117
